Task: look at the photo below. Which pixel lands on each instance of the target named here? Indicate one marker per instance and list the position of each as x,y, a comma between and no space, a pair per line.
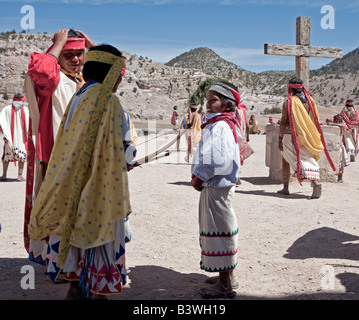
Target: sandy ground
290,247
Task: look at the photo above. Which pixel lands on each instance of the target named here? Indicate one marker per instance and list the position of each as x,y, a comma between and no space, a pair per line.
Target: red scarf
228,118
350,122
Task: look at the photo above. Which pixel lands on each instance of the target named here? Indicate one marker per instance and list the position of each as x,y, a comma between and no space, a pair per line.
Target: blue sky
163,29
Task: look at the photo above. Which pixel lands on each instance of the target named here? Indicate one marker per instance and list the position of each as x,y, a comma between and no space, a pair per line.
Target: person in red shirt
52,79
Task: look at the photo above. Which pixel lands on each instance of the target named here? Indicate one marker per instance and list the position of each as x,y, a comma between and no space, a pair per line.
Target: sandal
214,280
206,293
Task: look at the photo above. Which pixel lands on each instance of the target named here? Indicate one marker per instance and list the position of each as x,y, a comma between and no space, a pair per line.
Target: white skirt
218,229
309,166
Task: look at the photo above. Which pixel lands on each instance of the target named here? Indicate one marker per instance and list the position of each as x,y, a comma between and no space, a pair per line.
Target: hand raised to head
88,42
60,36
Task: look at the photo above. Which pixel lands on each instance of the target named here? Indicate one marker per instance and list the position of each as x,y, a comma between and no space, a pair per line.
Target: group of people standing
76,138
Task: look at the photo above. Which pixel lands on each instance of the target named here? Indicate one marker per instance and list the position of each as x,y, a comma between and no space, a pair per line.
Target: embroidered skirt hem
218,229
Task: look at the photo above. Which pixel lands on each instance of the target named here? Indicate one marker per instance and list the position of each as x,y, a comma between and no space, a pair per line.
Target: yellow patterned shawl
195,132
306,129
85,190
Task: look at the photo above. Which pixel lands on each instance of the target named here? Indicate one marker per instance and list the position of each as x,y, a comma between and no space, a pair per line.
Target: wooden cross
303,51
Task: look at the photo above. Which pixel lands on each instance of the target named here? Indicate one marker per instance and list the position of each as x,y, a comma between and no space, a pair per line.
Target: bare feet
340,178
317,191
284,191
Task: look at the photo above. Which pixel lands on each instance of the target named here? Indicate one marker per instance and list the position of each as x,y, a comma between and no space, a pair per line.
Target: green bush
273,110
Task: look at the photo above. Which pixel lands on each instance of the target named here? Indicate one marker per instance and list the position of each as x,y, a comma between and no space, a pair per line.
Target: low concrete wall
273,157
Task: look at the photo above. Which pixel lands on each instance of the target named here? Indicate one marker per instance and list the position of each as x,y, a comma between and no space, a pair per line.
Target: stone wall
273,157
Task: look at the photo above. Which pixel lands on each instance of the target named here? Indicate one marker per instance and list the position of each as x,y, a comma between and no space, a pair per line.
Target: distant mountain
207,61
150,89
211,63
337,81
349,63
330,85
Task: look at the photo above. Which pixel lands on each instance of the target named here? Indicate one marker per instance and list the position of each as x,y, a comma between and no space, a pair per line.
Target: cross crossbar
302,50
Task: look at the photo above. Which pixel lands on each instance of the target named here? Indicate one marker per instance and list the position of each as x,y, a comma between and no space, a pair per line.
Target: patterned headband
106,57
225,91
118,67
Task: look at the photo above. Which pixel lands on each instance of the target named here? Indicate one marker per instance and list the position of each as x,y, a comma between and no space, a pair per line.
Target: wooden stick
154,155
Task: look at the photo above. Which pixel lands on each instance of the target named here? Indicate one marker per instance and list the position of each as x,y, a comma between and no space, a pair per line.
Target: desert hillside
151,89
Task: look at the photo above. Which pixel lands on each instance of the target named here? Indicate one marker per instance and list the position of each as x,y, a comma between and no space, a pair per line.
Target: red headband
349,104
296,86
72,44
19,99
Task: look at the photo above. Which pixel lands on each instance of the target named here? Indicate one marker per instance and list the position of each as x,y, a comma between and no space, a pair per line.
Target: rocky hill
150,89
212,64
330,85
348,64
337,81
15,51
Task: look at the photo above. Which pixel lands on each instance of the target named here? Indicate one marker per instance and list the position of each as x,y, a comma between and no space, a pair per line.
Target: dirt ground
290,247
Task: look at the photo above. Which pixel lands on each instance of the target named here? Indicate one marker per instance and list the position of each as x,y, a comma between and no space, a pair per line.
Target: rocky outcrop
150,89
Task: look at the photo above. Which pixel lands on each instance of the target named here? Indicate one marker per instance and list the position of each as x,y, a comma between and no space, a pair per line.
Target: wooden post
303,39
302,50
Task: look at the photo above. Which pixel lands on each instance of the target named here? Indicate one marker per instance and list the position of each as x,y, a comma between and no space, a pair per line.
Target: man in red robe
52,79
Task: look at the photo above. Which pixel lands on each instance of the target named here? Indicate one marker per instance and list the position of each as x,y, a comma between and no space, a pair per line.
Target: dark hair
296,80
74,34
18,95
97,71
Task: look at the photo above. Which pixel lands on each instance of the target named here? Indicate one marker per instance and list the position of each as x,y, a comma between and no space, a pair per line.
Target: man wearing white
14,125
